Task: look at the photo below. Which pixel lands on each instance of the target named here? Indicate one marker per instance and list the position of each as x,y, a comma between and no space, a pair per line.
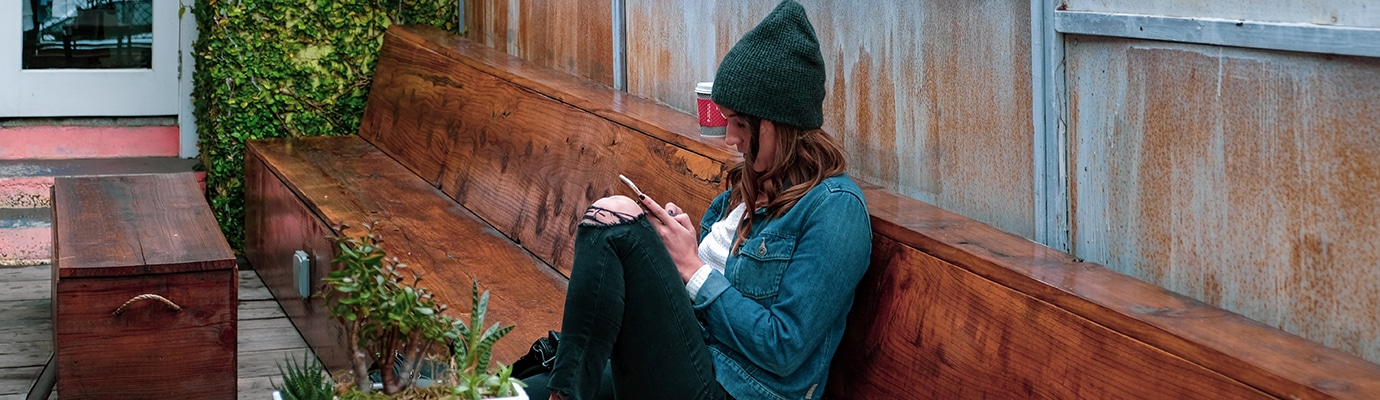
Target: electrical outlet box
301,273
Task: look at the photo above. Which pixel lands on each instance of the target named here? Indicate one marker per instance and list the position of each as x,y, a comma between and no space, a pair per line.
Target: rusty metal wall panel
1243,178
1354,13
932,99
571,36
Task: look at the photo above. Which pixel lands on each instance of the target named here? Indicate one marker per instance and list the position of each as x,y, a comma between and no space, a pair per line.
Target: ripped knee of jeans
610,211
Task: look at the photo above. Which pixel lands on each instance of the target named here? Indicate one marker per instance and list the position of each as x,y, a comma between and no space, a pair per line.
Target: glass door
63,58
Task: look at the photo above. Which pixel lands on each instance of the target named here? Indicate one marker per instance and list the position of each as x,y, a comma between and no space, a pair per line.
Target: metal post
620,45
460,18
1051,181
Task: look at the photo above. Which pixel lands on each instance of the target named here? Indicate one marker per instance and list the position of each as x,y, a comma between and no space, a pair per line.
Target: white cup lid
704,88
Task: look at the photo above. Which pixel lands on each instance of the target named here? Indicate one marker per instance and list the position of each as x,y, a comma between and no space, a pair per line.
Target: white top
704,88
715,247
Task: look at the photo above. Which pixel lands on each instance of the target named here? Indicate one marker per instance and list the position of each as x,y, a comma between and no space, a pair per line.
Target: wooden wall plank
575,37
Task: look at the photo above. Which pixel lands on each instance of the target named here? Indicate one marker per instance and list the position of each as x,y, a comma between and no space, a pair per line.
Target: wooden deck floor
266,337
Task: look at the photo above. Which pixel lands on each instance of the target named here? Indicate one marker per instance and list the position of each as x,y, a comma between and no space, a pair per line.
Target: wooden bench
472,173
479,165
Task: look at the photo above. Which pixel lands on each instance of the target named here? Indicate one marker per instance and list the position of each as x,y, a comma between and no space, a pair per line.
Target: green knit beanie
775,71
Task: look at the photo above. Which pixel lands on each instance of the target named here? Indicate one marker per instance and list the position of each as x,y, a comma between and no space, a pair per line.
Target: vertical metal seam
1056,98
514,26
620,45
1051,190
1039,188
460,28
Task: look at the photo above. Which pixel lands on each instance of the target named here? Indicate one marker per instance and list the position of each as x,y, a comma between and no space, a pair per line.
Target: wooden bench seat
350,180
479,165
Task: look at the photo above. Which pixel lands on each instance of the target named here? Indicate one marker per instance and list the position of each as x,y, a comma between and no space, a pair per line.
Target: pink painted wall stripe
25,246
34,192
64,142
25,192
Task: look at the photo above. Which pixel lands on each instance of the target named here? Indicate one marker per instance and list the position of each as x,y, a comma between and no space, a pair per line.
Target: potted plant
471,349
303,381
390,320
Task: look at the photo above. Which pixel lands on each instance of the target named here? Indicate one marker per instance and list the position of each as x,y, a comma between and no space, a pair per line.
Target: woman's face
739,136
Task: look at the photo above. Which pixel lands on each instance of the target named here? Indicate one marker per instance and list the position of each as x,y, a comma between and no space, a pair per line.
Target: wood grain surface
923,328
524,162
634,112
118,237
531,170
346,179
571,36
135,224
412,132
148,351
278,225
1261,357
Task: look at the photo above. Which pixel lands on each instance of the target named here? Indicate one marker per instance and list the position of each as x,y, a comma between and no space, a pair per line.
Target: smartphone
631,185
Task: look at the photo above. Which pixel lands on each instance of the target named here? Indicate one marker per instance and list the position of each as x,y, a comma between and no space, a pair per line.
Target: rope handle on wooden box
148,296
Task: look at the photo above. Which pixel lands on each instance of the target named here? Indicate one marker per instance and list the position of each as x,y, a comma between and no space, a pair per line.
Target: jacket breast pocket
762,263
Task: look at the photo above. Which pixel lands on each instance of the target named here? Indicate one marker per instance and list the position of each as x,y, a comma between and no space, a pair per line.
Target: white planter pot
279,396
521,394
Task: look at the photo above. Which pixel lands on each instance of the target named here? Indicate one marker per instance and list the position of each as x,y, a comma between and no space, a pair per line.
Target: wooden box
144,290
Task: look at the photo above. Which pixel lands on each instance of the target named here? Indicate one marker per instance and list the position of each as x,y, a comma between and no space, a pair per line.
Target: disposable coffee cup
712,123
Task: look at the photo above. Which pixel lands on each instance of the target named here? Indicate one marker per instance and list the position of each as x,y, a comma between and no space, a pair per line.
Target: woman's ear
766,126
767,152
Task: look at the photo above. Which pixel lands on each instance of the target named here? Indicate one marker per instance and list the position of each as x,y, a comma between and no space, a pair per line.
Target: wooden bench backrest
953,308
526,148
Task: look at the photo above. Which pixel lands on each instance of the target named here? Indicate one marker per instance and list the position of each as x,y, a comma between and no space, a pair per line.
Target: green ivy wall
279,68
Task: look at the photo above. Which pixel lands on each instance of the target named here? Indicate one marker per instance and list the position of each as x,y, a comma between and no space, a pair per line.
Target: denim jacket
774,318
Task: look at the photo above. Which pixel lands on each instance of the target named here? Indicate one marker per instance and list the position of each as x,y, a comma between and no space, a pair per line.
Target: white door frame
78,92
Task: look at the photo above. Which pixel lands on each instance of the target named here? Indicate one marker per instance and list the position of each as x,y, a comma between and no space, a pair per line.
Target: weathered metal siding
932,99
1244,178
1354,13
571,36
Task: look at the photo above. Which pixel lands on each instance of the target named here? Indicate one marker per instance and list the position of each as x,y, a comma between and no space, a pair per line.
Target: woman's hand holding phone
676,229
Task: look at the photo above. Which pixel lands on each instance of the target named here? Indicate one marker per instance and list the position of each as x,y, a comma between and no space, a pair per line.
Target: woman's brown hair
804,157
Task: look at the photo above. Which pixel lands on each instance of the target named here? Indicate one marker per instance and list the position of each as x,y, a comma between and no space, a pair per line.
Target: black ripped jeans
627,315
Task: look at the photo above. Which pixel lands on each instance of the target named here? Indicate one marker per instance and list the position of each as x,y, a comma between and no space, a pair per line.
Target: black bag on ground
539,359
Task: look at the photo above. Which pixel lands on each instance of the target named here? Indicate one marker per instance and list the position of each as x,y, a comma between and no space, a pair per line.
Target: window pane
93,34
